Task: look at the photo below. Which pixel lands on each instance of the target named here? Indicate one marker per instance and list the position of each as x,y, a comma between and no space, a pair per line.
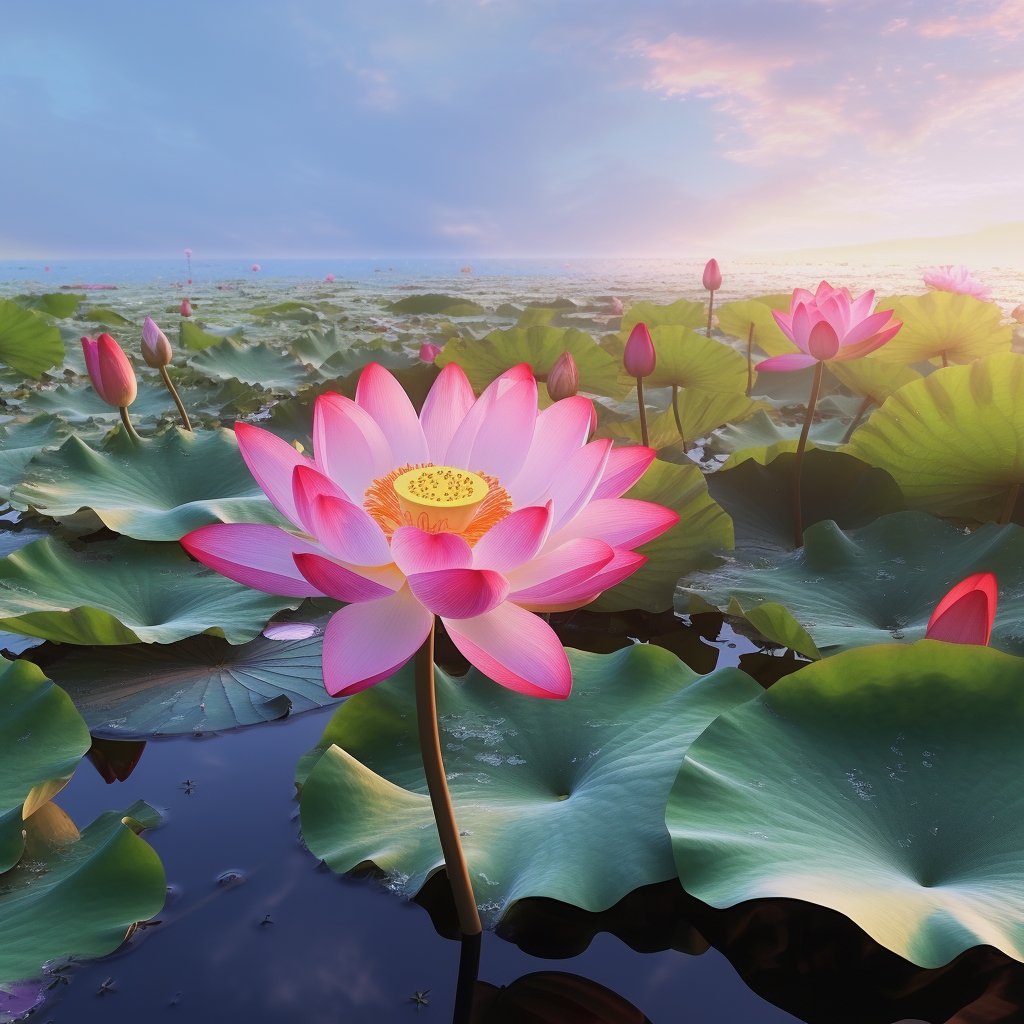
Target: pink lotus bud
156,349
110,371
966,613
616,307
1018,313
188,253
563,378
639,359
186,307
256,268
429,352
712,276
329,279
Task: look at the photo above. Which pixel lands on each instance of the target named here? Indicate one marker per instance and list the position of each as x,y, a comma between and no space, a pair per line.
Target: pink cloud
1003,20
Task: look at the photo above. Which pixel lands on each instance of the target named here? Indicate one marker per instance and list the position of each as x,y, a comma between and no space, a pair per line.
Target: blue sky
504,127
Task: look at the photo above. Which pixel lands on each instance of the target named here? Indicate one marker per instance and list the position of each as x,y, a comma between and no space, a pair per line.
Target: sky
262,128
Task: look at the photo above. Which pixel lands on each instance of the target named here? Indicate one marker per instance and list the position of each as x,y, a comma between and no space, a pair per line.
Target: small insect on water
420,998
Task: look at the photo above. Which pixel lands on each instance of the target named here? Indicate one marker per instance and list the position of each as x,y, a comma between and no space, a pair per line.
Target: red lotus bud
563,378
110,371
429,352
712,276
639,358
186,307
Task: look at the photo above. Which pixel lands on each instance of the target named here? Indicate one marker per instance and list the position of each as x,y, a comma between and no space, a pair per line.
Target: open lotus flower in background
479,511
948,278
965,615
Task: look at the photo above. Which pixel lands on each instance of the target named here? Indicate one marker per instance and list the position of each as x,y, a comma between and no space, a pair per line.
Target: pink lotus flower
429,352
256,268
712,279
616,307
156,349
479,510
564,378
965,615
830,325
186,307
110,371
948,278
329,279
639,358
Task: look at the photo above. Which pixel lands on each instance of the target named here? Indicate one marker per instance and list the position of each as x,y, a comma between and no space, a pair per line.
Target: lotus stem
437,785
711,308
678,418
945,359
1009,504
798,522
469,971
750,360
857,417
644,436
169,384
129,429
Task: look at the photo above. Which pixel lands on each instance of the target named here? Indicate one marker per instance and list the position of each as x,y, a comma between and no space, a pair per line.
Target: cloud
1003,21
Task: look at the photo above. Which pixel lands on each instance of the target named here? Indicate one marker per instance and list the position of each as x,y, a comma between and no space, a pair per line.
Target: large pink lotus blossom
830,325
948,278
479,510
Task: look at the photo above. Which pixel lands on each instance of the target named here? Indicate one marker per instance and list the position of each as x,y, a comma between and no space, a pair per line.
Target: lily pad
683,313
42,740
533,782
540,346
19,444
80,405
194,338
125,592
883,783
961,327
689,360
251,364
29,343
154,489
703,531
202,684
105,316
55,304
736,319
765,439
77,894
759,498
700,412
872,377
954,440
444,305
878,583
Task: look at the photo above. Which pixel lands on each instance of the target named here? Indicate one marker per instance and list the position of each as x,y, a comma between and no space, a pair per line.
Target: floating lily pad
539,346
883,783
77,895
80,405
315,347
954,440
155,489
533,782
689,360
873,377
878,583
700,412
765,439
42,740
683,313
105,316
433,303
194,338
297,312
29,343
55,304
202,684
703,531
759,498
961,327
251,364
125,592
19,444
736,319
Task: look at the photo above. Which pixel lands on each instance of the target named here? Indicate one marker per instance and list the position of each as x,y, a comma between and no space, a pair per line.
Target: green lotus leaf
485,359
689,360
80,405
29,343
699,411
194,338
77,894
125,592
878,583
960,327
736,319
156,489
299,312
105,316
315,347
533,782
251,364
759,498
55,304
776,623
20,442
202,684
703,530
682,312
534,316
759,438
351,359
954,440
42,739
872,377
432,303
883,783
